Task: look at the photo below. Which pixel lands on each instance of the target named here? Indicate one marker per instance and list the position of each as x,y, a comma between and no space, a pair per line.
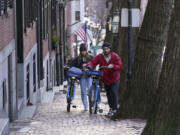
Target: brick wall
29,39
6,30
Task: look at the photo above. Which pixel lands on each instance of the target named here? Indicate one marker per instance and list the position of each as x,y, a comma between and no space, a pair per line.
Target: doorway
10,88
27,85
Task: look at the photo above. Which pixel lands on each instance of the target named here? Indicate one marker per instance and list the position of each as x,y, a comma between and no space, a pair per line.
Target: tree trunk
166,118
147,62
122,49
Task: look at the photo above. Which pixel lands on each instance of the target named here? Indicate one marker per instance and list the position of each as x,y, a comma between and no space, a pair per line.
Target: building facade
75,12
8,102
30,56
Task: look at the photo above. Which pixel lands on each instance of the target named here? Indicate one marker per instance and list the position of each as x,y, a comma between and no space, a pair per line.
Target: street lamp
110,24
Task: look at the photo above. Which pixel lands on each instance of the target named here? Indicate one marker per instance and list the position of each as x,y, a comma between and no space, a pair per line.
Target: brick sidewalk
53,119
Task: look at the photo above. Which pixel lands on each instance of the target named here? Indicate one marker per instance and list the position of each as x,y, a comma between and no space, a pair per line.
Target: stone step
4,126
28,112
48,97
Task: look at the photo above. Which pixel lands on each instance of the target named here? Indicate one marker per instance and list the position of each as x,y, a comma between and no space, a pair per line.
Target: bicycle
94,91
73,78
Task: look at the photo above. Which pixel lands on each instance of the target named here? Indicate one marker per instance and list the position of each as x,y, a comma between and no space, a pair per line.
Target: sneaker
110,114
85,109
114,111
110,111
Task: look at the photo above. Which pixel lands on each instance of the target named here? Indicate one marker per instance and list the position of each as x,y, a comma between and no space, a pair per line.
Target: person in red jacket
111,74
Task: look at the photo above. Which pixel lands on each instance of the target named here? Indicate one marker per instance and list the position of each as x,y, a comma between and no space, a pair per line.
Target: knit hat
82,48
106,44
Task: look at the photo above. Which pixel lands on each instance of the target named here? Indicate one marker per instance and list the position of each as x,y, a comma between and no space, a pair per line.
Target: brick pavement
53,119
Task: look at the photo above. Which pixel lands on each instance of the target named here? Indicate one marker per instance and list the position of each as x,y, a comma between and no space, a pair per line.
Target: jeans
85,84
112,94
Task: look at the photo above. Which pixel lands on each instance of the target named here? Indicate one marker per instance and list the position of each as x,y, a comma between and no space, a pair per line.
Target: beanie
106,44
82,48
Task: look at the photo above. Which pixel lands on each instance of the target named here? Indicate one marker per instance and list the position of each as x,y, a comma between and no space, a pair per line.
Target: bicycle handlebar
103,67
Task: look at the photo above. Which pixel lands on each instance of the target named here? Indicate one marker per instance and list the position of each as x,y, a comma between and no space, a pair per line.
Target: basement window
4,94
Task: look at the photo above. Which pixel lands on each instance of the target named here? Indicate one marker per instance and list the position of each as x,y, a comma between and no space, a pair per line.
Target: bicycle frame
71,89
94,96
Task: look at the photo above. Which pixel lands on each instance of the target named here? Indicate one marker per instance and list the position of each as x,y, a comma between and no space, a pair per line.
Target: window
30,13
5,5
4,94
45,6
77,15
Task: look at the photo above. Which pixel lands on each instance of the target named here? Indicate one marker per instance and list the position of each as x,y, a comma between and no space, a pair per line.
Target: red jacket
109,75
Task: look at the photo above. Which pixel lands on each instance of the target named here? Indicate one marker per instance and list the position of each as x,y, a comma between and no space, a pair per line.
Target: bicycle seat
95,73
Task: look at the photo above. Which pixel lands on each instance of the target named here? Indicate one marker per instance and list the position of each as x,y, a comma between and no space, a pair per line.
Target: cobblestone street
53,119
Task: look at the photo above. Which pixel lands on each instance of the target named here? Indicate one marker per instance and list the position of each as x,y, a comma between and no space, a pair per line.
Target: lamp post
115,22
110,24
130,39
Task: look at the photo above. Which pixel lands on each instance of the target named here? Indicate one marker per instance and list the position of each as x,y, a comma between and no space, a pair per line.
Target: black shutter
31,12
46,18
25,15
43,19
5,6
0,7
11,3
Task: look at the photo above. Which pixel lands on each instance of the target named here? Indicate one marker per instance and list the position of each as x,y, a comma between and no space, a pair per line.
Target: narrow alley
53,119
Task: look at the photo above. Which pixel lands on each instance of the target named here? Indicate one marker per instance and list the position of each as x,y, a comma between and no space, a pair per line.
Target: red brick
6,30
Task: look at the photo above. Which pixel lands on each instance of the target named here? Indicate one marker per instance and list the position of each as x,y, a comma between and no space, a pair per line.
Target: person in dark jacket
85,81
111,74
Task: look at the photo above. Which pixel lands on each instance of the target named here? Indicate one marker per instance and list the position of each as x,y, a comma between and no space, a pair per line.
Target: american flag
82,33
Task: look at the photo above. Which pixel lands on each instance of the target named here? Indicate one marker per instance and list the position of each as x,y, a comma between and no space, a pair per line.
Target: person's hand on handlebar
110,66
86,67
66,67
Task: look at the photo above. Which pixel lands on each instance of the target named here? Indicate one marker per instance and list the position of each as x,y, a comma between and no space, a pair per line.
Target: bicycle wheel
92,100
70,98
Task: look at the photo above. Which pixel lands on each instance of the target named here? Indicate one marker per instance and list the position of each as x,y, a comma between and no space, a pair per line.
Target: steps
4,126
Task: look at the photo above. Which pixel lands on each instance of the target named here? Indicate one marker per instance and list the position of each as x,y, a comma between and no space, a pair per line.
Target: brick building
74,18
8,92
31,59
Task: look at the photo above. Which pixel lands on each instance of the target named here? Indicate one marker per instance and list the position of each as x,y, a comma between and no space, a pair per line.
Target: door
27,85
10,88
47,76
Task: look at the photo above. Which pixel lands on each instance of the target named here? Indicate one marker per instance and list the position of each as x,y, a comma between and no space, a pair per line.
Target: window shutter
5,6
0,7
25,17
